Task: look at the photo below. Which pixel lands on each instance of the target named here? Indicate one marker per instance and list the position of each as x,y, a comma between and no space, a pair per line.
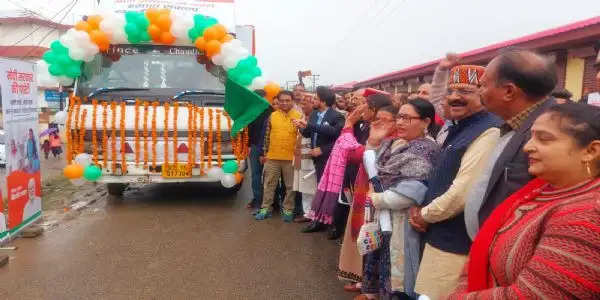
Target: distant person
562,96
298,93
594,98
424,91
340,105
55,145
46,148
280,143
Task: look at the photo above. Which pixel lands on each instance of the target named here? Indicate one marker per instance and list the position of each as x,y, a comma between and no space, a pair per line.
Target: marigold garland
202,144
166,134
136,132
175,144
145,134
82,131
122,127
210,137
219,157
246,139
104,135
113,135
94,135
191,133
154,134
75,131
69,154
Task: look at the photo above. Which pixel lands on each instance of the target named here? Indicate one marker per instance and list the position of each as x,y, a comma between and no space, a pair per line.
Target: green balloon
193,34
145,36
131,16
64,60
234,74
256,72
132,29
56,70
198,19
230,167
58,47
73,70
92,173
49,57
143,22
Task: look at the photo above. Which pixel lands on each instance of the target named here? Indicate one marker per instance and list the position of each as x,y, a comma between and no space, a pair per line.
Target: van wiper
197,92
117,89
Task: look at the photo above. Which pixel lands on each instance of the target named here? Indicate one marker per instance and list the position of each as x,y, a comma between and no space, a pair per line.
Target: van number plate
176,171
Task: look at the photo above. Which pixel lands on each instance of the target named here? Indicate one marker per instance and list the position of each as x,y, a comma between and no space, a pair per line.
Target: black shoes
313,227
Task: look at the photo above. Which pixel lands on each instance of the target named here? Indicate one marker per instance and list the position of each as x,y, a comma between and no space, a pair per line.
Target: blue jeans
257,170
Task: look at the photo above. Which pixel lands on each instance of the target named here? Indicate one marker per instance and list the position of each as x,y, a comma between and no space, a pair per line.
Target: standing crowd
482,185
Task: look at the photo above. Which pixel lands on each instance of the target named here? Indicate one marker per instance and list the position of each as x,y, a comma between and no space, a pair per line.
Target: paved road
173,242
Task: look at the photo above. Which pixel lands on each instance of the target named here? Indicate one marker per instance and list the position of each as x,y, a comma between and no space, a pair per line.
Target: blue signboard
54,96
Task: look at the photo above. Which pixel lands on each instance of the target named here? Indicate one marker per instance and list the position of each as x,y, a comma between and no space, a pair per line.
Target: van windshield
150,67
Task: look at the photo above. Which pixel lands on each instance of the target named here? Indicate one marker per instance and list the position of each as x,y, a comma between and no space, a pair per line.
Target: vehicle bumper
137,174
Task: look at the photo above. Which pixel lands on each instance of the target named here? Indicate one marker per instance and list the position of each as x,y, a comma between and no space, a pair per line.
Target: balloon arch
62,63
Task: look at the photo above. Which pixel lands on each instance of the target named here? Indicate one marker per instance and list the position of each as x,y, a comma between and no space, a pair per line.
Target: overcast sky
346,40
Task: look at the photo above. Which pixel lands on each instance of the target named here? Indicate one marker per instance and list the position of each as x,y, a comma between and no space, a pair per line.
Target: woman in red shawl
543,242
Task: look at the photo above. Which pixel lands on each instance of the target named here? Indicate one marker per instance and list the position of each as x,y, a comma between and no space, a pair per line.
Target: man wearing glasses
464,151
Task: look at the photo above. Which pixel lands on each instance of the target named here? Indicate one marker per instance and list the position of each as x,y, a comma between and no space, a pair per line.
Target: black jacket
327,132
256,129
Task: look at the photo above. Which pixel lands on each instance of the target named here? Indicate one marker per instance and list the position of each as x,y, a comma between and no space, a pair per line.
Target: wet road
173,242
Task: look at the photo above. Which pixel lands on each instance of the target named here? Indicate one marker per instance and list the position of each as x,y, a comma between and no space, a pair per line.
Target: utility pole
315,78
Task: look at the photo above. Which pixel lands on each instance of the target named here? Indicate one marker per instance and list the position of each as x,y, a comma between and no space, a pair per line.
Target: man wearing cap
463,153
515,87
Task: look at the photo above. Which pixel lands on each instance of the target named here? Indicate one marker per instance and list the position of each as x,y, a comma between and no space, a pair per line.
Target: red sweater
548,249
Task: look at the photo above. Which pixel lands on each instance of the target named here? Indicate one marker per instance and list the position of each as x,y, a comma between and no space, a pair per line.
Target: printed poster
20,107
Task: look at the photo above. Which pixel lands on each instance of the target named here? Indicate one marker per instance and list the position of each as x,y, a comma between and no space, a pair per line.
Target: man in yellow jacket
280,143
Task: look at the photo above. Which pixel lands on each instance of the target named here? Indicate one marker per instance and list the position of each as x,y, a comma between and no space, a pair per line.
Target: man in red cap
464,151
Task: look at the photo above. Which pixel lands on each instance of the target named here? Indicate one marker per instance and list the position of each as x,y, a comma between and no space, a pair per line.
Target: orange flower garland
94,135
154,135
202,144
122,127
104,136
210,137
113,135
246,139
191,133
175,144
82,131
145,134
166,134
219,157
136,132
69,153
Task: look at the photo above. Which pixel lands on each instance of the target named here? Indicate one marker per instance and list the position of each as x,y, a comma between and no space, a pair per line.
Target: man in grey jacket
515,87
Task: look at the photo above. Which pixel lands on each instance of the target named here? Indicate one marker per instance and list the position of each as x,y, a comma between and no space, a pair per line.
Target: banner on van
223,10
20,105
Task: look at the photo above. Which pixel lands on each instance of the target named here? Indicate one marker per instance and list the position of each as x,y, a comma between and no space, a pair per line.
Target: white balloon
44,78
218,59
77,53
114,26
215,173
179,29
258,83
83,159
65,81
78,181
60,117
228,180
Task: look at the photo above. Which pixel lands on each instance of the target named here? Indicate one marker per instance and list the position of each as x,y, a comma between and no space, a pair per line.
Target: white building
26,36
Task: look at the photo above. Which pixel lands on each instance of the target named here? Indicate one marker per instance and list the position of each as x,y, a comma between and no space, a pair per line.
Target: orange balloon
238,177
227,38
152,14
94,21
272,89
164,22
154,32
100,38
83,26
167,38
200,43
210,33
73,171
221,31
213,48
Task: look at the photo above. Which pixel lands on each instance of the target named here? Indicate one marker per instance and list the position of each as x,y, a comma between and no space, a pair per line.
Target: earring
589,170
